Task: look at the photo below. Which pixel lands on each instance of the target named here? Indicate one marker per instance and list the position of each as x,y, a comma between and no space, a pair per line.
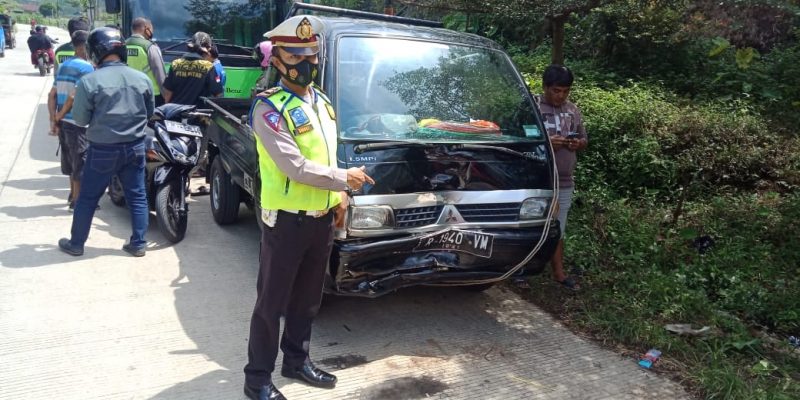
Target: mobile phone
573,135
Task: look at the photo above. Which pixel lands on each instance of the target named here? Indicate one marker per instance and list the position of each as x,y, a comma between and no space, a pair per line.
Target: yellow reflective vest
138,59
63,53
315,134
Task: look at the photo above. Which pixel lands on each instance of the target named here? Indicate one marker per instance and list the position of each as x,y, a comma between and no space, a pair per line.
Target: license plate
479,244
183,129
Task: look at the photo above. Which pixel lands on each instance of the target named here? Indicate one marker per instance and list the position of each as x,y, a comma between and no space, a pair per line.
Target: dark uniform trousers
293,258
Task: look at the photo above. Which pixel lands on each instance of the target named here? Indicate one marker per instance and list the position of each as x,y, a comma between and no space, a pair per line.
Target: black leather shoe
67,247
310,374
266,392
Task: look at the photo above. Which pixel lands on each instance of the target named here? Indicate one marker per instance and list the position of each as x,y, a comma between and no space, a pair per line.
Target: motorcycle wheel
42,67
115,192
171,220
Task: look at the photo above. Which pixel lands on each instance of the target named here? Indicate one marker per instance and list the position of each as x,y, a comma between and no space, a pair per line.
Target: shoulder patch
273,120
270,91
298,116
330,111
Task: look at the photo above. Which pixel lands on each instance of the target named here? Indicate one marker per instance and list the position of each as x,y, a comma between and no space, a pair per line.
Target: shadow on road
48,255
43,147
216,292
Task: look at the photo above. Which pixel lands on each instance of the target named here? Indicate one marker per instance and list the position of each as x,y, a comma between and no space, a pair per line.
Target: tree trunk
557,26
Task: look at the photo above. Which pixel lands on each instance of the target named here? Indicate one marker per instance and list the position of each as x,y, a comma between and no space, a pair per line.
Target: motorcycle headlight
371,217
533,208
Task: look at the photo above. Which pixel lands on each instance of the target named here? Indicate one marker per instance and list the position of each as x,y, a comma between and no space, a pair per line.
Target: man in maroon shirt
564,125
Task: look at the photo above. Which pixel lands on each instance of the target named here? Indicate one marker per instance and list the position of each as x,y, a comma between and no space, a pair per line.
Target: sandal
570,284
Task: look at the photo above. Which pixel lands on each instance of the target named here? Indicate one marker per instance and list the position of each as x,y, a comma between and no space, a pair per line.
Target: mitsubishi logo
450,215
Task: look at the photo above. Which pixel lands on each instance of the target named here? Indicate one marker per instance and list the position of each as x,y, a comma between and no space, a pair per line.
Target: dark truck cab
443,122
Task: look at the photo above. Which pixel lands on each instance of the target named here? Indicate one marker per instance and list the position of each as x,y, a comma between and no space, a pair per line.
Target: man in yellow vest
145,56
67,50
295,129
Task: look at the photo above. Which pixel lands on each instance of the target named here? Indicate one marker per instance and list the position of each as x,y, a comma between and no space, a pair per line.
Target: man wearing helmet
301,187
115,101
40,41
193,75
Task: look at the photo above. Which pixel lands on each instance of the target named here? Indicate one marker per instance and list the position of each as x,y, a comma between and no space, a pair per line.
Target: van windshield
405,90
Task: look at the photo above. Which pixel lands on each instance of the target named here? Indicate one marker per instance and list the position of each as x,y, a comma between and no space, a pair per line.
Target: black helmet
39,28
200,43
105,41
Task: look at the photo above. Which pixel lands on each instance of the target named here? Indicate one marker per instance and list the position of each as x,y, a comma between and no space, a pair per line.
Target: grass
640,272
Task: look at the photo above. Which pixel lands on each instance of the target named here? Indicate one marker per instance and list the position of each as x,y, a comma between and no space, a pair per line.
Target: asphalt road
173,325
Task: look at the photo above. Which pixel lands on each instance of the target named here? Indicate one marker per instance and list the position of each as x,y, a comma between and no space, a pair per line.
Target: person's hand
575,144
356,178
53,128
558,141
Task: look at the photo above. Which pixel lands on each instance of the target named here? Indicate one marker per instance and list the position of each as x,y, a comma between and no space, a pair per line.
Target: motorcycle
43,62
173,151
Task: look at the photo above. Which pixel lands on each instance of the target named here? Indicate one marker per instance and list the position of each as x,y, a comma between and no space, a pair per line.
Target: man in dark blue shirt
193,75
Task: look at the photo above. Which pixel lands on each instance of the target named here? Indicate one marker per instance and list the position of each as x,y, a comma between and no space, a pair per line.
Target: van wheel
225,196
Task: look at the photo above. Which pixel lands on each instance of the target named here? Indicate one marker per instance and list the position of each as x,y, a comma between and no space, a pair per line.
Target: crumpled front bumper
375,266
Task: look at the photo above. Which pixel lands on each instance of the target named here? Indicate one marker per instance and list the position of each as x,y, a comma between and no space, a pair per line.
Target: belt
313,214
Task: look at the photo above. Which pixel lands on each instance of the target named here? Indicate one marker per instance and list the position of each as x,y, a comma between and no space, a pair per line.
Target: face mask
301,74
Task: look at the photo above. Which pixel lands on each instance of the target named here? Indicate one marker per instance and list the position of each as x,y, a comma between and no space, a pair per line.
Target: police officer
67,50
145,56
296,132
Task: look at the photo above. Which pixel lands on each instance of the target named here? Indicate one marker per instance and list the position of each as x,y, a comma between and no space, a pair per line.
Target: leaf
744,57
742,344
763,367
720,45
687,233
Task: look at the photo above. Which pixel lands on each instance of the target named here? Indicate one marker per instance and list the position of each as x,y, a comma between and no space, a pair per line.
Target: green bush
643,272
645,141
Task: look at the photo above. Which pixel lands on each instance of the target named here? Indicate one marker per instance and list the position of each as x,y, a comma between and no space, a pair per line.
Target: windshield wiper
472,146
364,147
360,148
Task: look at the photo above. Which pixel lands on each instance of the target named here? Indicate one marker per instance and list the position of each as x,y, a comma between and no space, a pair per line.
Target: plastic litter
650,358
686,329
794,341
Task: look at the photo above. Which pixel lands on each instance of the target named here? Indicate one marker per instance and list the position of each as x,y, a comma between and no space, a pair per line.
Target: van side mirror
113,6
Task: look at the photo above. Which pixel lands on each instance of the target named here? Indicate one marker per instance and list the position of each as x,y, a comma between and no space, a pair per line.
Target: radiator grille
498,212
417,216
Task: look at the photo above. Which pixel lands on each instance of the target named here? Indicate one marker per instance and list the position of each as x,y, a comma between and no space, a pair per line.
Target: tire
42,67
171,221
115,192
225,195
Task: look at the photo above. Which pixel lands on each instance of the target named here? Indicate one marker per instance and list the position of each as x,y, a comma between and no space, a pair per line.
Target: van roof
338,26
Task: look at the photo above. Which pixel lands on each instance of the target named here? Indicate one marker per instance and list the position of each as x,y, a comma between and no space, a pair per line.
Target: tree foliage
47,9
